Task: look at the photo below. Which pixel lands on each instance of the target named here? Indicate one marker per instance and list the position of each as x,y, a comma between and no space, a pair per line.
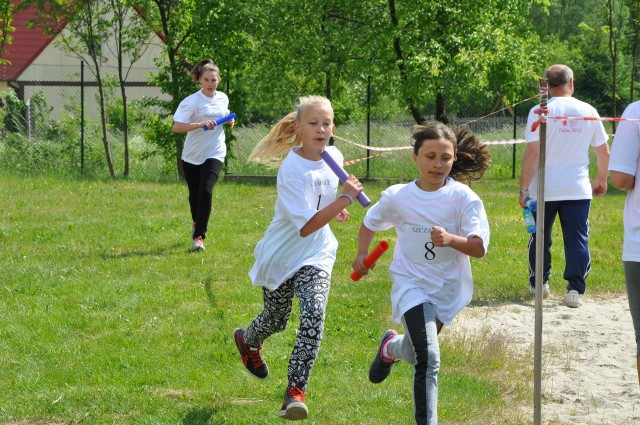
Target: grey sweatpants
632,278
419,347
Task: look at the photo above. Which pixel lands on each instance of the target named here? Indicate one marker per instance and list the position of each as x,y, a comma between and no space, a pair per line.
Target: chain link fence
69,95
353,140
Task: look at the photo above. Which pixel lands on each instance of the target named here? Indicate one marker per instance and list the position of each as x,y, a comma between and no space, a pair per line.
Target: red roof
27,44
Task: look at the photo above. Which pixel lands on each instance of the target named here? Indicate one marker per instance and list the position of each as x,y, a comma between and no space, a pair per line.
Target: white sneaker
573,300
197,244
546,292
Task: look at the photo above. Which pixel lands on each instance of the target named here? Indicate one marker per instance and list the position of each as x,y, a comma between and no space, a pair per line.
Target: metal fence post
82,134
539,280
515,136
368,121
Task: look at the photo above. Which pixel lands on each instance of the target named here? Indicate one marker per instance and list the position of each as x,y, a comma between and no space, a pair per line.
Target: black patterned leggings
311,286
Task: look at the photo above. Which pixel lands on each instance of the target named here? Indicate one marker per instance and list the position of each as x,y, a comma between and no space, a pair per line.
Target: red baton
371,258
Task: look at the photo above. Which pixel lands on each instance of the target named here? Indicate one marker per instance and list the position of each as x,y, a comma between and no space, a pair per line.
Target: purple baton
343,176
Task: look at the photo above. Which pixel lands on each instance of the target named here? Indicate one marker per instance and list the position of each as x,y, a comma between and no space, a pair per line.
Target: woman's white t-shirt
199,144
303,188
420,271
625,158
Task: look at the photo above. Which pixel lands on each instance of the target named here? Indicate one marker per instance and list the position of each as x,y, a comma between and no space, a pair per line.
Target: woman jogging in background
440,223
297,253
204,150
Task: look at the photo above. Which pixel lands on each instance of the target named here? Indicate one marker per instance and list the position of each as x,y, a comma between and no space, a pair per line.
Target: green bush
14,119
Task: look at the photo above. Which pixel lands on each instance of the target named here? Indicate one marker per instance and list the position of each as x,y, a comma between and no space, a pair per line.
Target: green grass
106,318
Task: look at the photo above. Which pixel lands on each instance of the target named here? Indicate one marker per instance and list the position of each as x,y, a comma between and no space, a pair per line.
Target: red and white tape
564,117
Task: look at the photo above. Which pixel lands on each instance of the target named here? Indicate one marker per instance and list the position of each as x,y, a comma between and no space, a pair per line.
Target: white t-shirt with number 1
422,272
304,188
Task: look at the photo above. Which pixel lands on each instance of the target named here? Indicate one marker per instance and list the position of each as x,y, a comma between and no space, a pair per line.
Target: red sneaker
293,407
251,358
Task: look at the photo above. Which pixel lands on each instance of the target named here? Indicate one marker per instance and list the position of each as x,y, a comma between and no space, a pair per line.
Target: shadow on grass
210,295
250,180
128,253
203,416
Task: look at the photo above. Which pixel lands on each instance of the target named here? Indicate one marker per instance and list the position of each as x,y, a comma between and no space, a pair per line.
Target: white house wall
57,74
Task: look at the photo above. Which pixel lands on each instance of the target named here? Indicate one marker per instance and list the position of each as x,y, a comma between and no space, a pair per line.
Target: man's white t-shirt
625,158
420,271
304,187
567,153
199,144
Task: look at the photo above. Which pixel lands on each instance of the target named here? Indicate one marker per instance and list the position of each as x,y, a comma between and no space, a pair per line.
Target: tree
6,17
83,39
419,52
633,42
131,39
615,19
441,51
327,47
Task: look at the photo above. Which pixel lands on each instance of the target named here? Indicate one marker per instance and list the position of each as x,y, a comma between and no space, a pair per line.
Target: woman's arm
184,127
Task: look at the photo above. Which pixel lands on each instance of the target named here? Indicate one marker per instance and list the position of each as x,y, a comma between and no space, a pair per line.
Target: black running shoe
250,356
381,366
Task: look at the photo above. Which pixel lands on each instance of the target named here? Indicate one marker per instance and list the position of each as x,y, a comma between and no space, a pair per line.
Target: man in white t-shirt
625,171
568,189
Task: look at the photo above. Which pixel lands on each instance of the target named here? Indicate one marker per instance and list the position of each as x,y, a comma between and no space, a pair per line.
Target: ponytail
472,156
272,149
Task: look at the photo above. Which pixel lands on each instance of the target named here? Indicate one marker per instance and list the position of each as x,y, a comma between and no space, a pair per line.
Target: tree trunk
103,121
613,52
176,101
404,78
125,129
125,113
441,113
634,48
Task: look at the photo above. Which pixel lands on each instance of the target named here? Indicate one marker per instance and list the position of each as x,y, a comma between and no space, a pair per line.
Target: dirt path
589,365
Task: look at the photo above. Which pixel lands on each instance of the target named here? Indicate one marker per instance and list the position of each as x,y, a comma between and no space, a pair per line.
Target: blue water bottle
531,206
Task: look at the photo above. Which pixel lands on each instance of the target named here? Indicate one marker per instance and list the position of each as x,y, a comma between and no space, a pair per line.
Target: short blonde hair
272,149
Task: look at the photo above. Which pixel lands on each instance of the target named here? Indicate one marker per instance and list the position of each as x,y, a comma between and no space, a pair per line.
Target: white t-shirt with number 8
422,272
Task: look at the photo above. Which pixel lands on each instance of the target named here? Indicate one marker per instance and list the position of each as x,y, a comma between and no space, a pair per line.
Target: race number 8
430,254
